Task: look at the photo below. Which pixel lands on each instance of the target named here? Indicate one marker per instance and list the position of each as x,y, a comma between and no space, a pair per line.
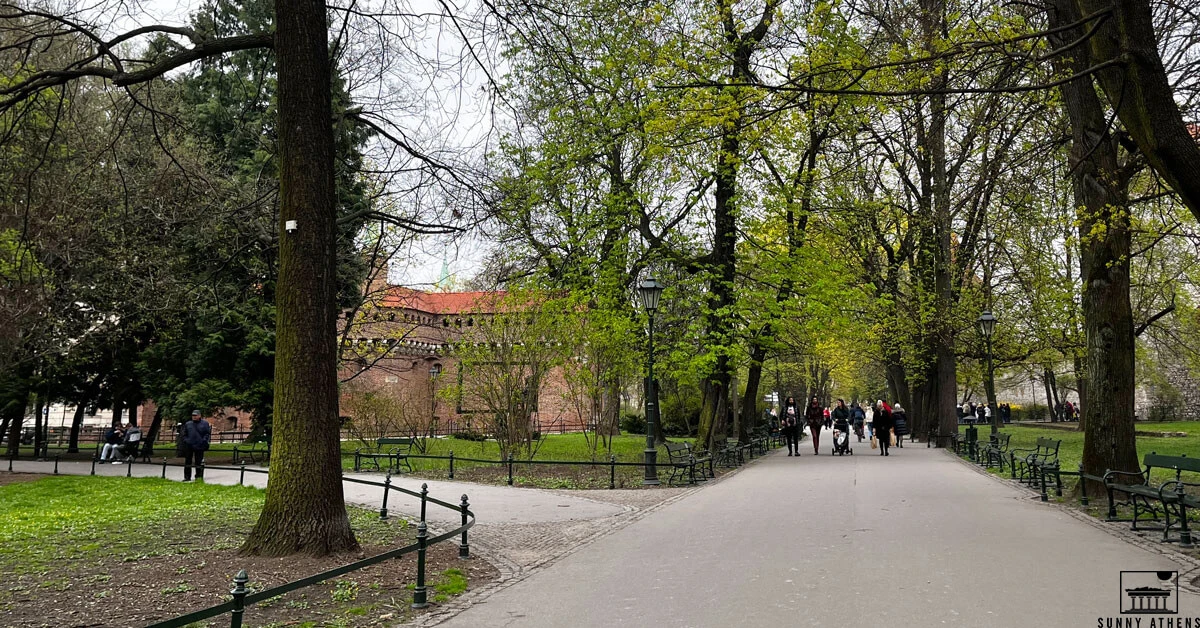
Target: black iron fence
240,597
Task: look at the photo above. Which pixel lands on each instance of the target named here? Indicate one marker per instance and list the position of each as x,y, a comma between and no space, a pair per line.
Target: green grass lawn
1071,451
82,518
573,447
162,548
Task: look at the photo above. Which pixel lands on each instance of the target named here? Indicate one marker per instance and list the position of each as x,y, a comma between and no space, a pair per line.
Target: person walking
789,424
869,419
899,424
858,418
815,417
883,426
196,436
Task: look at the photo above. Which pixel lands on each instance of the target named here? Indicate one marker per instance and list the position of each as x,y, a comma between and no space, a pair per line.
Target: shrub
633,424
472,435
680,414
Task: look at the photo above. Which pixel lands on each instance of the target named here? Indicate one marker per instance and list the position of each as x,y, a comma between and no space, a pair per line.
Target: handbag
874,443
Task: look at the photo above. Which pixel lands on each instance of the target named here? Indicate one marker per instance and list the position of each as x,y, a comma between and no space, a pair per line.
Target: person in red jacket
815,417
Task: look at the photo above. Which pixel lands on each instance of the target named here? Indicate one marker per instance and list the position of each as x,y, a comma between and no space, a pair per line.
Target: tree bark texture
76,427
152,435
944,379
1047,376
1101,197
39,423
1138,88
305,511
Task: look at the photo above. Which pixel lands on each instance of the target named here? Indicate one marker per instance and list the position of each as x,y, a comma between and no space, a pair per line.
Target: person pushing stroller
841,429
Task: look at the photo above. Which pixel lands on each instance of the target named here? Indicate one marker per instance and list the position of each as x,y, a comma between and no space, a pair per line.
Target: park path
914,539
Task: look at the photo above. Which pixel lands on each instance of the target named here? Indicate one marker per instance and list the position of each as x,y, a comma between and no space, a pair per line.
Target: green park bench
996,450
683,464
394,450
1034,465
703,460
1171,498
253,453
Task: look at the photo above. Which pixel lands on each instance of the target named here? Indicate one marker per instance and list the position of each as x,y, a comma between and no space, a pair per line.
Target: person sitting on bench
129,448
112,442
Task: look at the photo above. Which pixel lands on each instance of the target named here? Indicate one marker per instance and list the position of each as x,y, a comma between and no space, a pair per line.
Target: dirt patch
110,592
13,478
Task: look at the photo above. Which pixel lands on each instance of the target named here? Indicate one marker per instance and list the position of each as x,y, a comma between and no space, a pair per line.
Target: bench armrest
1111,474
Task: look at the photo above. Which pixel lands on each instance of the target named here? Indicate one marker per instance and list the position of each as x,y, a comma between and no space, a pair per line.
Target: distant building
397,350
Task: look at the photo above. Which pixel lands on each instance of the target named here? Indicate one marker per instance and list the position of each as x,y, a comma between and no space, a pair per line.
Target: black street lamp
650,291
434,371
987,326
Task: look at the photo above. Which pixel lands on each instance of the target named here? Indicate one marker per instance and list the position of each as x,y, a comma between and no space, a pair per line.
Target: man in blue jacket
196,434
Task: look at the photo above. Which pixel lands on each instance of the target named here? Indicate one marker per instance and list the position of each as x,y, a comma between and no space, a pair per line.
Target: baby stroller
841,439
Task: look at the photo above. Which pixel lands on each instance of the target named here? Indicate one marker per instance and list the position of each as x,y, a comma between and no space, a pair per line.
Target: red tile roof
442,302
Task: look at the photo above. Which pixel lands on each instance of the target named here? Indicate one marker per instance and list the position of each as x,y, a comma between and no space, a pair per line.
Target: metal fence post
129,470
387,484
510,466
164,471
419,591
1083,497
10,461
424,498
239,599
200,471
464,550
451,464
1185,533
93,464
612,471
56,457
242,474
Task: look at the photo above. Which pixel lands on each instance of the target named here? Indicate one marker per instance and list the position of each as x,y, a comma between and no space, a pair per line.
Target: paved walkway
914,539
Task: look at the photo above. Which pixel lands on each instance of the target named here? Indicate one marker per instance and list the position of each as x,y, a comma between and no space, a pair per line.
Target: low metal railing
241,597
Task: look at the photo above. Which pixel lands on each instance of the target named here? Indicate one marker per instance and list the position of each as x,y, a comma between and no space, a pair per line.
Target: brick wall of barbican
393,350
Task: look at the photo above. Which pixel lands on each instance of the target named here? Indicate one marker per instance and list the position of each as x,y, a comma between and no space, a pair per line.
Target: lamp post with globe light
987,326
650,290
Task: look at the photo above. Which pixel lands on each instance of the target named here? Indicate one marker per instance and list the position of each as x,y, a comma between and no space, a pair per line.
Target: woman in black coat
789,424
815,417
883,426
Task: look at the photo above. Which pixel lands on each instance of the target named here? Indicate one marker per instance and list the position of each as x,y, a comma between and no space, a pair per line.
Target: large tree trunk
1081,377
15,418
76,427
750,413
1047,376
713,414
1138,87
305,510
152,434
39,423
1101,194
944,382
